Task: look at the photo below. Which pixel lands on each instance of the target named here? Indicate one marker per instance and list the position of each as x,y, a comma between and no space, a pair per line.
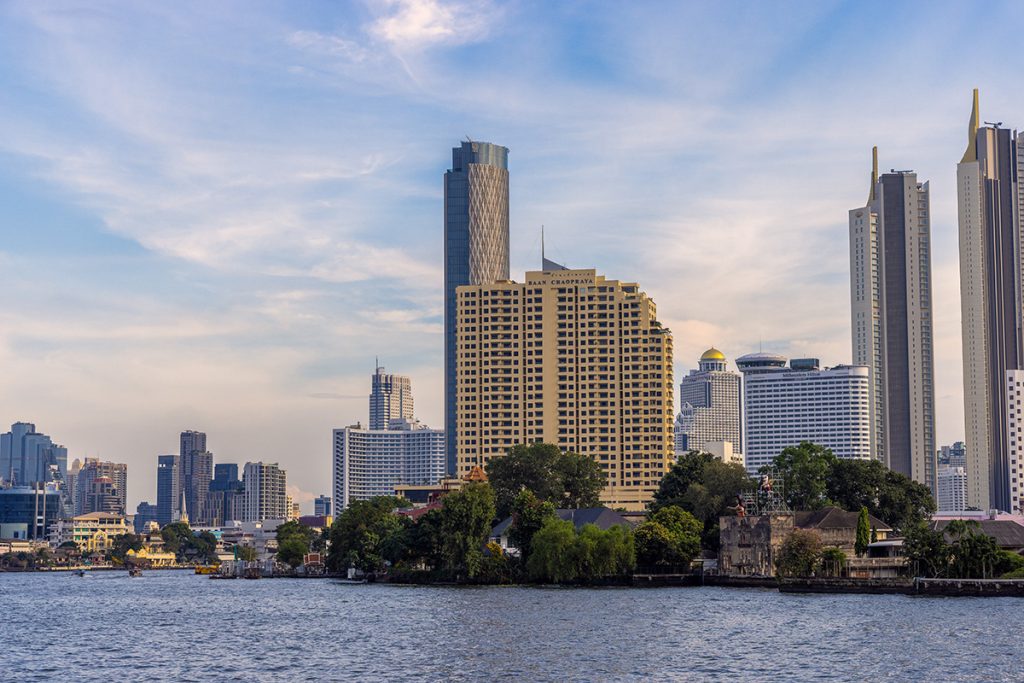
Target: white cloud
415,24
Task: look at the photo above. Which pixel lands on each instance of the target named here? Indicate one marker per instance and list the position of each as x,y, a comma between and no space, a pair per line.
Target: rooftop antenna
542,245
994,124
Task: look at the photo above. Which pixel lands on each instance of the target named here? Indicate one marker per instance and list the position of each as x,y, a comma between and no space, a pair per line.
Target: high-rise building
371,462
891,319
476,245
195,470
265,496
1015,439
167,489
224,499
951,489
786,406
29,457
28,512
145,512
322,506
568,358
390,399
111,497
710,406
991,259
954,455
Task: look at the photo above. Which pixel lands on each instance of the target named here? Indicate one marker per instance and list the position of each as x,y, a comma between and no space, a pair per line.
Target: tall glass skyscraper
167,489
476,240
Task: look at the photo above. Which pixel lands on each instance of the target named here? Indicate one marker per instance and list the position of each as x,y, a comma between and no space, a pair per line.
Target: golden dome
712,354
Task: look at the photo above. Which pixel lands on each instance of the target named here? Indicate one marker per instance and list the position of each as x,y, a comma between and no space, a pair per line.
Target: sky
215,216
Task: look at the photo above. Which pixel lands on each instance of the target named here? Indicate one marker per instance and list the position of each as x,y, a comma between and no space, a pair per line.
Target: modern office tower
112,497
224,499
371,462
951,489
954,456
195,470
28,512
265,496
990,204
145,512
167,489
390,399
27,456
568,358
891,319
786,406
322,506
710,406
476,245
71,488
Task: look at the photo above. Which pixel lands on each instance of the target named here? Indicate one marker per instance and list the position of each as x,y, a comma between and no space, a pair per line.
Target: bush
799,554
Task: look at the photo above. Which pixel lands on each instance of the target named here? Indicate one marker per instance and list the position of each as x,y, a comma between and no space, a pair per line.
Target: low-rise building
91,532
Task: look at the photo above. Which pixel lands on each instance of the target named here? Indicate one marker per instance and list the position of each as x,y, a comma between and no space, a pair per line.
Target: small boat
134,571
79,572
207,569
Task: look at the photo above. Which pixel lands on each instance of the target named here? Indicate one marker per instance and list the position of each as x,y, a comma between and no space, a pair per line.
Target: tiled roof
1007,533
835,518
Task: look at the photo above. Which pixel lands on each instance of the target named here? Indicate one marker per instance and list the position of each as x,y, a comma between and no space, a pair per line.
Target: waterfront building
990,202
372,462
92,532
322,506
568,358
145,514
167,489
710,406
390,399
28,456
111,495
195,470
27,512
891,319
476,246
954,455
786,406
264,497
951,488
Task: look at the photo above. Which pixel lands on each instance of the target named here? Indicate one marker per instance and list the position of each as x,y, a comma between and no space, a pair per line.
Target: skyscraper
710,406
112,496
568,358
891,319
990,205
476,246
28,457
167,489
390,399
786,406
195,470
265,496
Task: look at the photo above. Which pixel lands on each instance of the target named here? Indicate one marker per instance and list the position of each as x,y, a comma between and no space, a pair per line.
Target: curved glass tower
475,245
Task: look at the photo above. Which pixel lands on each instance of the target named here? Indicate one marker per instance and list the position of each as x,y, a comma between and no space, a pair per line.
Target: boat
134,571
207,569
79,572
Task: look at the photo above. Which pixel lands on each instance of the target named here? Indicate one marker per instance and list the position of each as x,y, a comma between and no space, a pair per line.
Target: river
175,626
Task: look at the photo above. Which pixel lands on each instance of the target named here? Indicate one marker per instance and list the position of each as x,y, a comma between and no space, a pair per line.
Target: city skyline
178,258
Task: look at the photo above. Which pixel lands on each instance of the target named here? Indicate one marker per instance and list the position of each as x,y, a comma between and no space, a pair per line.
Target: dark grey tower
475,244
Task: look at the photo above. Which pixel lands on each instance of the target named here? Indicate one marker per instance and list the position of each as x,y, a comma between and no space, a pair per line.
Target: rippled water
178,626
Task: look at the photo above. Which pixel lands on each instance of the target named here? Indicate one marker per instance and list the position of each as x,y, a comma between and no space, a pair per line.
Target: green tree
804,470
863,538
833,561
566,480
177,537
528,517
799,554
245,553
892,497
926,550
553,557
122,544
655,546
291,550
359,533
425,540
466,518
689,469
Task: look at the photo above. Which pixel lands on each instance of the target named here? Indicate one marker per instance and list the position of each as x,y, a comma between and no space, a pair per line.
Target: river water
175,626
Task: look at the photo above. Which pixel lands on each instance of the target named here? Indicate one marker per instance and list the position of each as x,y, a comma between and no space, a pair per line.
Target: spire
971,154
874,174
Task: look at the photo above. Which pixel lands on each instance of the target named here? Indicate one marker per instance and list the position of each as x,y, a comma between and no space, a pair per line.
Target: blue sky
214,215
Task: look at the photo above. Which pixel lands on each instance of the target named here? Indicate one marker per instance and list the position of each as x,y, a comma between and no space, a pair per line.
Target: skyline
218,229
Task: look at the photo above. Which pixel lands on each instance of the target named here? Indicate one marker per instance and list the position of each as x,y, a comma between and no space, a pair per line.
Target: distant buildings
390,399
951,494
101,487
476,246
224,500
27,456
569,358
954,455
710,406
92,532
167,489
371,462
990,200
785,406
891,319
145,513
322,506
265,494
195,472
28,512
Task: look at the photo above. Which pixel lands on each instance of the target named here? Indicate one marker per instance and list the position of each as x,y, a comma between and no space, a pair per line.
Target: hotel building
390,399
710,406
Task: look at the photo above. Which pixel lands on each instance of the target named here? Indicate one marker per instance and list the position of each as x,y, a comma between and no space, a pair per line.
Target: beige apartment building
568,358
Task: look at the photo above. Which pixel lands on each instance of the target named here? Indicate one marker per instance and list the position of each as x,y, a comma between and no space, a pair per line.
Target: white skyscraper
951,485
710,406
265,494
891,319
371,462
991,258
390,399
786,406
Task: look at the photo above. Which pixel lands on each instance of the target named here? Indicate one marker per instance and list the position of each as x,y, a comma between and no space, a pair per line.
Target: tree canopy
566,480
560,554
670,537
294,541
466,518
960,551
799,554
359,534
